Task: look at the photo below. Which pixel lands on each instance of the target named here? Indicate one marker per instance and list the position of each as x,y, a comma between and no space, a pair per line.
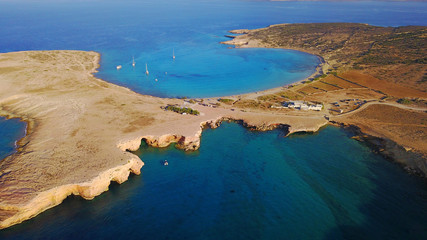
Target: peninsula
81,129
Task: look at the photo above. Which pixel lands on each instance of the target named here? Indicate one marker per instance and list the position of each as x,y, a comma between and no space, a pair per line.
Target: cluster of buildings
301,105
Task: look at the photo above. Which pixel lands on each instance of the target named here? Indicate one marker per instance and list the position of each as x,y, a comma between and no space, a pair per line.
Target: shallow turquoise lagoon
210,72
249,185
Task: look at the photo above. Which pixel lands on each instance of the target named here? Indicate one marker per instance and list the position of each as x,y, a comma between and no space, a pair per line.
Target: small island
80,128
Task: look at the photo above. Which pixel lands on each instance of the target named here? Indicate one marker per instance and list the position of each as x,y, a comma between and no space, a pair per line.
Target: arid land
81,129
372,80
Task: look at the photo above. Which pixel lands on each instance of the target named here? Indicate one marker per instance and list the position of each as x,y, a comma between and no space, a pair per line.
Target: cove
242,184
10,131
209,72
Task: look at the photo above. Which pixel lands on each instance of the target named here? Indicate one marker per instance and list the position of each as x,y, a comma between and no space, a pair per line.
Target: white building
317,107
303,106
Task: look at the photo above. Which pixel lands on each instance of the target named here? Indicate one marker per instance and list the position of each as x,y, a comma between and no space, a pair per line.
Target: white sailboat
173,53
133,61
146,69
119,67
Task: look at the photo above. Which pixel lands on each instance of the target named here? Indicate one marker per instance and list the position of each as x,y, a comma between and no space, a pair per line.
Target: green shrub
182,110
404,101
226,100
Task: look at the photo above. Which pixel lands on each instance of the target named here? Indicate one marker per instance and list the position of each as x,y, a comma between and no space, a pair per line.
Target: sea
10,132
240,184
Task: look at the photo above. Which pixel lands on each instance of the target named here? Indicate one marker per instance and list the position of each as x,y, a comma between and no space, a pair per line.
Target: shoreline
320,69
76,138
416,167
84,129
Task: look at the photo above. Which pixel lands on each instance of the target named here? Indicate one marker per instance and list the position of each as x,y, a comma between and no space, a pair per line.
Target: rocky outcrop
240,31
80,131
187,143
191,143
413,162
55,196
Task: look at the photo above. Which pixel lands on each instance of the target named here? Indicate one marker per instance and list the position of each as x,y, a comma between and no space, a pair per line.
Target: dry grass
325,86
310,89
339,82
408,128
389,114
138,123
6,70
388,88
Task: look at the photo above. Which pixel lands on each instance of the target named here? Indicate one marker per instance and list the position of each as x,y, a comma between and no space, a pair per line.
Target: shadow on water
405,218
77,218
402,214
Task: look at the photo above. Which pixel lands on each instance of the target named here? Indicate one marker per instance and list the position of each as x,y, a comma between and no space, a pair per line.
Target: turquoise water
10,131
150,30
211,72
240,184
249,185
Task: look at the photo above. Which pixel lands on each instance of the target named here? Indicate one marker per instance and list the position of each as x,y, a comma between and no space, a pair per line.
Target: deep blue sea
240,184
249,185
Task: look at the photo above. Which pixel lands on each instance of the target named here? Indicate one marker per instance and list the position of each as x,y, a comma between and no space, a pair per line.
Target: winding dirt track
381,103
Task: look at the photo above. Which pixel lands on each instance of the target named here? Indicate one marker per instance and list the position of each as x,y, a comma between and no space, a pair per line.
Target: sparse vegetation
182,110
319,77
251,104
226,100
395,54
404,101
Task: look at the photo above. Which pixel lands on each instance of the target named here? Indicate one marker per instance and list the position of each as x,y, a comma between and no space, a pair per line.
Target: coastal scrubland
370,77
393,54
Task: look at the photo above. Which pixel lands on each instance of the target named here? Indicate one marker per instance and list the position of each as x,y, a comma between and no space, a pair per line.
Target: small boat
133,61
165,163
155,80
173,53
119,67
146,69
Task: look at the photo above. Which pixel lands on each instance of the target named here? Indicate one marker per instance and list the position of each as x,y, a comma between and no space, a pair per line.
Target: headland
371,80
80,129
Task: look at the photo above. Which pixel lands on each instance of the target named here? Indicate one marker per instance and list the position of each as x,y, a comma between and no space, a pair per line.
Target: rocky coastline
89,148
412,162
85,153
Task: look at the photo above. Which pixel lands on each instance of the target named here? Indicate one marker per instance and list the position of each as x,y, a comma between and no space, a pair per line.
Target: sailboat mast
146,69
